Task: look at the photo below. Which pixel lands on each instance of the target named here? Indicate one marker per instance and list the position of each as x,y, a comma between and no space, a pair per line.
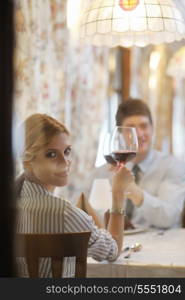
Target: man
159,193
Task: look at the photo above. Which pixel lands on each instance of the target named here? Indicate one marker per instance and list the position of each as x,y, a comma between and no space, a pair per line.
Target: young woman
46,160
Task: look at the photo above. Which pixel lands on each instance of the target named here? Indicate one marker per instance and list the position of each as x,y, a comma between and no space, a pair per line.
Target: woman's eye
51,154
67,151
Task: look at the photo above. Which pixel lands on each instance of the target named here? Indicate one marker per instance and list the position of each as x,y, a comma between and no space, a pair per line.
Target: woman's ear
27,165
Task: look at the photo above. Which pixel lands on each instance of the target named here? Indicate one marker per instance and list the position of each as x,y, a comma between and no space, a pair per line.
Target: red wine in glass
124,144
123,156
110,160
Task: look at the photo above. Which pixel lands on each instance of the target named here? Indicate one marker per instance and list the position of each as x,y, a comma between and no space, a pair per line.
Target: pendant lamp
131,22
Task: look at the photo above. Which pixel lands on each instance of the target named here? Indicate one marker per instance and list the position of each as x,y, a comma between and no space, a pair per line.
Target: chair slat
56,267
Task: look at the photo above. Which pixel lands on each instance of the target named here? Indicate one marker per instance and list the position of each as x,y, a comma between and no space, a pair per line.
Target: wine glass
106,150
123,144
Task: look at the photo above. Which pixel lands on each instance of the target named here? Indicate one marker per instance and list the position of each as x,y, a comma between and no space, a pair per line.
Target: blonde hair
39,129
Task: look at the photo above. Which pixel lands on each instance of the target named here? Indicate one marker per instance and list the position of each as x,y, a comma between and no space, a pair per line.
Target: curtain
57,76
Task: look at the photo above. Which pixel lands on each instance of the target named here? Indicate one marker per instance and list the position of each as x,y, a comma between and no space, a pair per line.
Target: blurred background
81,85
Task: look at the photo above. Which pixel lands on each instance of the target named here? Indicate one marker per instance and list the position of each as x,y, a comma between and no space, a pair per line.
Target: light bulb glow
128,4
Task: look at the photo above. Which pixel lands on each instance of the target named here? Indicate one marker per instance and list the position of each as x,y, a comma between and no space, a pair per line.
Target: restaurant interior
81,84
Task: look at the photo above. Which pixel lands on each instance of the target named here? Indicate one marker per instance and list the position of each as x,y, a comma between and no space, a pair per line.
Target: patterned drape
56,76
39,63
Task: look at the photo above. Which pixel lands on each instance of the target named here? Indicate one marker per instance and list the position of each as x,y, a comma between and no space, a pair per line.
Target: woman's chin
63,182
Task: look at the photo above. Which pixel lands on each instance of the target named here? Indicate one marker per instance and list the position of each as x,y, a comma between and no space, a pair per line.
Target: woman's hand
126,184
121,179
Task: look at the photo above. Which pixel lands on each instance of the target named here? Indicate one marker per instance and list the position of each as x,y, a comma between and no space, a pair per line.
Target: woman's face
51,165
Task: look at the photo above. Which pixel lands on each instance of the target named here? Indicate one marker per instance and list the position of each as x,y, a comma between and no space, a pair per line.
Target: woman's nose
64,160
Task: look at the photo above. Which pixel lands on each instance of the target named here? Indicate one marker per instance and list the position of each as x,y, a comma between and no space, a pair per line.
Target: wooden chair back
56,246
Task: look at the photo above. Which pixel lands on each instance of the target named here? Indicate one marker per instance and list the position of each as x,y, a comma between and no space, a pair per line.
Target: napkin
83,204
101,195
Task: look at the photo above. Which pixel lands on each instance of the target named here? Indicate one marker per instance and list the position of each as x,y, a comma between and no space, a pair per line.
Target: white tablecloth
162,255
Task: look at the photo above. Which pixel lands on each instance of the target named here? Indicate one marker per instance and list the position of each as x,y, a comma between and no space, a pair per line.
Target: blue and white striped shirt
39,211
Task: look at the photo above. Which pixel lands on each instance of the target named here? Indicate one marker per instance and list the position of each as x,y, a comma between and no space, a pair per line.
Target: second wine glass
123,144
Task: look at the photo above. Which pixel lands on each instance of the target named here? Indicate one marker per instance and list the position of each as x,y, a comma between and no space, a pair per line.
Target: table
162,255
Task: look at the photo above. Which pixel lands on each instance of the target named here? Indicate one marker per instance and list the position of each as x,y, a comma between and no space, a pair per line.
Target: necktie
129,204
136,170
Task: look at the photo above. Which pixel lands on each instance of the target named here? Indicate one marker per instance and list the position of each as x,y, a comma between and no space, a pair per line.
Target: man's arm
164,210
160,201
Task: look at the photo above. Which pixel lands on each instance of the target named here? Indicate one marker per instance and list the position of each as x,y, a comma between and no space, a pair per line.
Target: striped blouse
39,211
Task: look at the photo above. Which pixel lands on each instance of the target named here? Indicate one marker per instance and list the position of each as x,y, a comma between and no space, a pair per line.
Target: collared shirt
39,211
162,179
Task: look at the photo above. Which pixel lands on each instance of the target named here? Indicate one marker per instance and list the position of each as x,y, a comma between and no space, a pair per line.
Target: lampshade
131,22
176,66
